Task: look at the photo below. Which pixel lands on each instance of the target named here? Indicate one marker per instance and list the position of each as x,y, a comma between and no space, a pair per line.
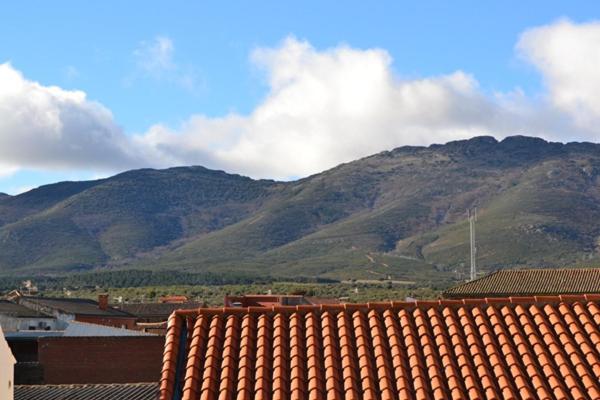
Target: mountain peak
468,145
523,140
513,141
510,151
476,140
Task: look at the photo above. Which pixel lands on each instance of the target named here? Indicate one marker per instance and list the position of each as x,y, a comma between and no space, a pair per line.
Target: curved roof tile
517,347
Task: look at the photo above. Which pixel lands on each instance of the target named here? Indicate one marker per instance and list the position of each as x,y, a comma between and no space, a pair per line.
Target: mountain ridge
398,214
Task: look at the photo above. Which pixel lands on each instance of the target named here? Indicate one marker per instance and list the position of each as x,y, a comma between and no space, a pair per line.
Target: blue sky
195,77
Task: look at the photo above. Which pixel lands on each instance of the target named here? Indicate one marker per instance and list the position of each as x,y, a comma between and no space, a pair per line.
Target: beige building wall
7,365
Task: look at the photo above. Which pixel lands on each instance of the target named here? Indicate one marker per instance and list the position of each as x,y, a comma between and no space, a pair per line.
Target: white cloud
323,107
156,56
46,127
7,170
333,106
156,59
568,56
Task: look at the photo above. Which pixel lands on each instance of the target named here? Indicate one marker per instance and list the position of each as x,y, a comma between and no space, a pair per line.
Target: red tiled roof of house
530,282
501,348
173,299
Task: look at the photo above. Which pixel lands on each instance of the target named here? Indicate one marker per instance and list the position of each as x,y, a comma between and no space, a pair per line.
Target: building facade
7,363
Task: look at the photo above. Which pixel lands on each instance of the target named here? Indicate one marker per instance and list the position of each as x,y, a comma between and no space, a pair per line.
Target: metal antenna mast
472,219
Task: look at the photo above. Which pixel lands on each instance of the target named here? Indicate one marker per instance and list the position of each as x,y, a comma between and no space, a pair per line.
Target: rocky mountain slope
399,214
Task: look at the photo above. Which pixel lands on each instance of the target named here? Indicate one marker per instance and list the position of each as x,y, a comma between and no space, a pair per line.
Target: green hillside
397,215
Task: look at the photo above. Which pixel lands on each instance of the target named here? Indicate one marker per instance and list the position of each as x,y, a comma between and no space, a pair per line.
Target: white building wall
7,365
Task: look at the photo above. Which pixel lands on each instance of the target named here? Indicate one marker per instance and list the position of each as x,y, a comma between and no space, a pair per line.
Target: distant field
213,294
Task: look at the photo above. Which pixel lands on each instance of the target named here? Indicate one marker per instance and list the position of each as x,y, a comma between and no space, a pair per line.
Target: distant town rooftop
77,329
76,306
530,282
18,311
148,310
267,300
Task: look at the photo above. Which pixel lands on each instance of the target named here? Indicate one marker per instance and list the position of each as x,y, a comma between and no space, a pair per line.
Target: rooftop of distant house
173,299
515,347
76,306
77,329
267,300
149,310
11,309
134,391
530,282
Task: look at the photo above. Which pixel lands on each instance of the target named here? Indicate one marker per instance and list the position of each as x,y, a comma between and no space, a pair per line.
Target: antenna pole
472,219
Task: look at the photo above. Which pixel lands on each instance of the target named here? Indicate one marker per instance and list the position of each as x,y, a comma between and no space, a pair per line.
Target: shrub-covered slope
399,214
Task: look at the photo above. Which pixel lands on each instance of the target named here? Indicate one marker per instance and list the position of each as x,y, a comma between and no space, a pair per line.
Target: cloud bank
46,127
323,107
568,57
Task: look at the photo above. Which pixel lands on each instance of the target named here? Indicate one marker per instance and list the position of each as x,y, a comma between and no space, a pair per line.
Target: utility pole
472,219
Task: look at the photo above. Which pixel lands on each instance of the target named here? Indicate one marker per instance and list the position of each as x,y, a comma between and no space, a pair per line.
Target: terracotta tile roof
173,299
502,348
121,391
530,282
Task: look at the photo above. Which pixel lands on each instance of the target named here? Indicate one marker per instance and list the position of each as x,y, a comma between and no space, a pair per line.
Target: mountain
398,214
86,224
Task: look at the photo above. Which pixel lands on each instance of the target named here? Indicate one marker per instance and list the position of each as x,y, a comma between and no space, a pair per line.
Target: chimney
103,301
